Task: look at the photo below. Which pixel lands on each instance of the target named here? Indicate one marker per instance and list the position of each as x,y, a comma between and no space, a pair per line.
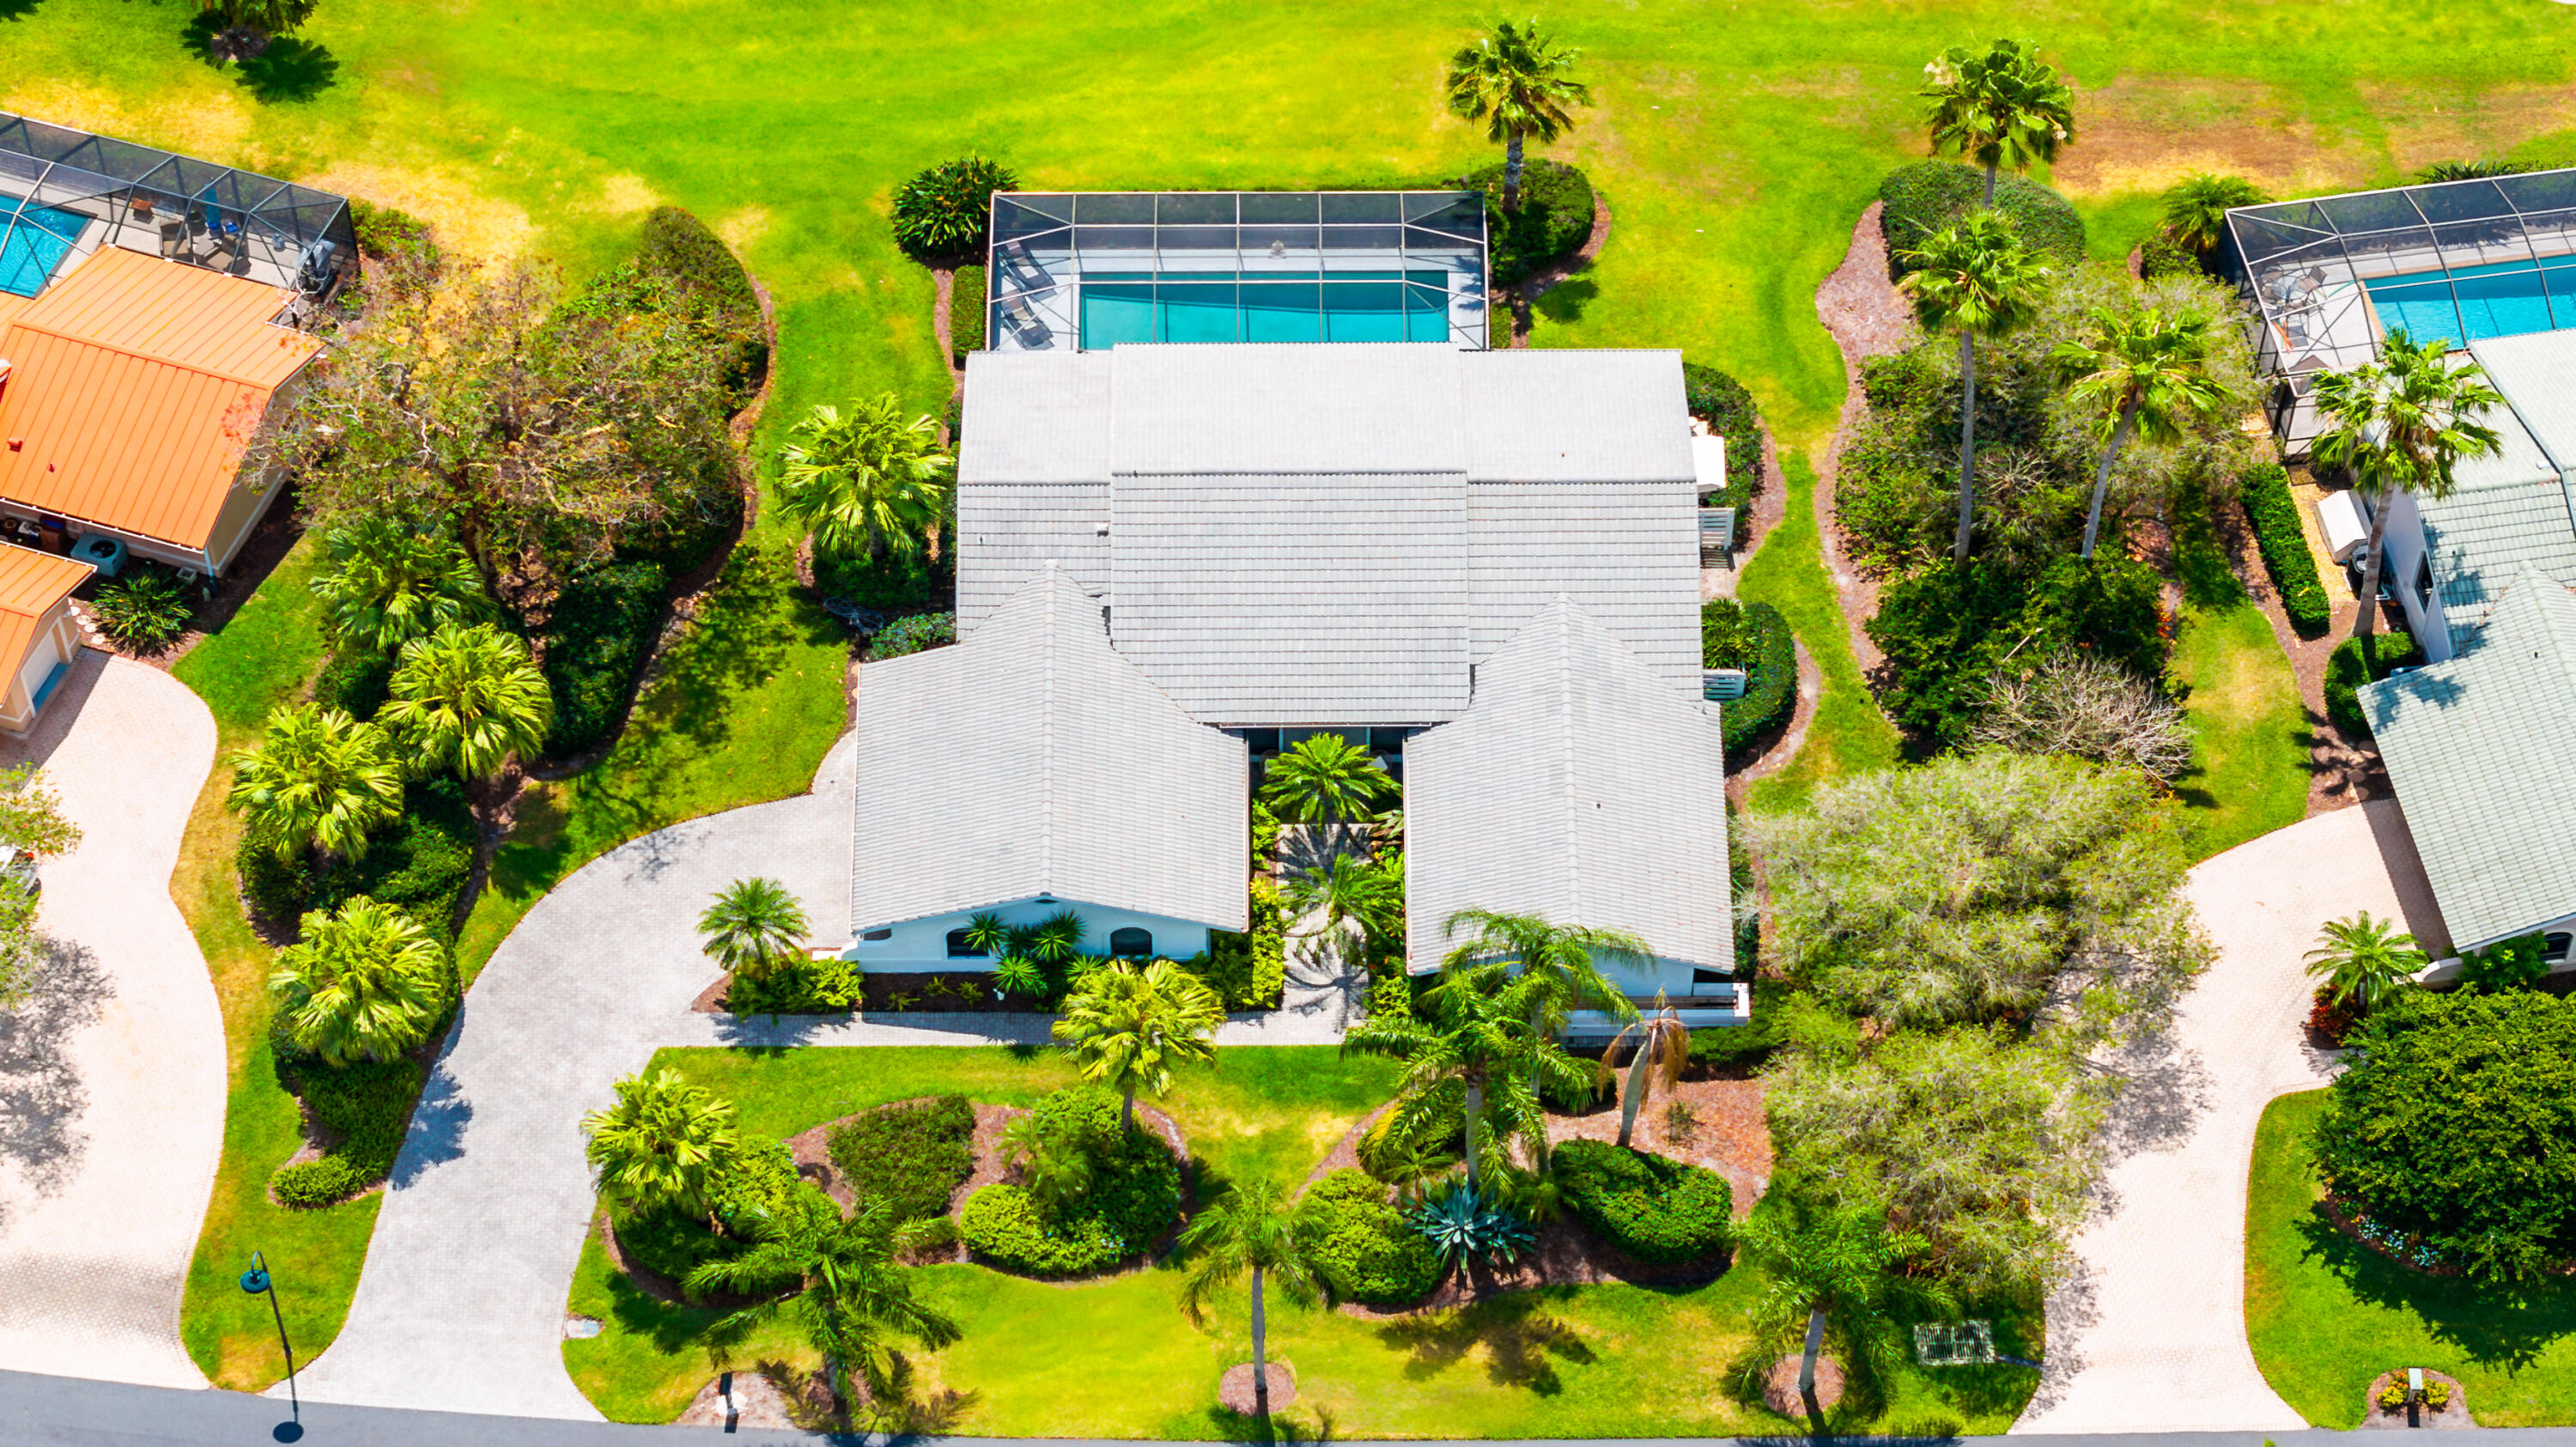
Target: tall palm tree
467,698
2365,960
2005,107
1833,1266
1254,1232
2196,207
319,779
1127,1028
363,983
660,1144
843,1291
1562,964
2148,372
1977,278
1472,1056
1662,1049
867,481
753,926
383,583
2401,424
1326,780
1513,78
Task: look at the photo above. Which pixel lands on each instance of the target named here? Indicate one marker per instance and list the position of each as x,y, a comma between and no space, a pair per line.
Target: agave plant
1467,1225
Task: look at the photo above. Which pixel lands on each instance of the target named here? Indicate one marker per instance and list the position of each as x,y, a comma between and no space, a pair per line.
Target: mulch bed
1234,1393
1780,1385
2452,1416
1731,1136
1867,318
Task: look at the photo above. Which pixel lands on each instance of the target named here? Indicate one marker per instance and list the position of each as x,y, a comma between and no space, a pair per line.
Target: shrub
1134,1197
944,211
386,230
1249,969
365,1107
595,642
2160,255
896,583
683,270
966,301
912,1157
1723,403
1951,627
805,987
1660,1211
1554,221
422,864
2347,672
2274,515
1369,1254
913,635
670,1243
1928,195
355,681
2448,1131
759,1176
2332,1016
2514,964
146,610
1753,637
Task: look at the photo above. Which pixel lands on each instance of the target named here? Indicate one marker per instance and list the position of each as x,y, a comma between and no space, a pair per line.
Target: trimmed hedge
1723,403
367,1106
1369,1254
1554,221
1249,969
2274,515
966,299
594,643
1754,637
1660,1211
699,268
912,1157
422,863
1925,197
1135,1197
2346,673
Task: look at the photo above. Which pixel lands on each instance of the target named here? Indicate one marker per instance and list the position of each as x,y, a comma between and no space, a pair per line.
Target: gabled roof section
2478,748
31,584
1032,759
163,311
1579,786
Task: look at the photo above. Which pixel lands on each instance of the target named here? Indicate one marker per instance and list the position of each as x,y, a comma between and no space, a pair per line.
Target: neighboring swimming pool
2468,302
1313,306
32,242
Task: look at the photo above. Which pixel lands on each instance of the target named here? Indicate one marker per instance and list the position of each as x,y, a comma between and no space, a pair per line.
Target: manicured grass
2325,1314
1848,734
2249,771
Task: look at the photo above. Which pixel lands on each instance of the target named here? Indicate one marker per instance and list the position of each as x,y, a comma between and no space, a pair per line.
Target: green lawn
2326,1315
2249,771
1848,734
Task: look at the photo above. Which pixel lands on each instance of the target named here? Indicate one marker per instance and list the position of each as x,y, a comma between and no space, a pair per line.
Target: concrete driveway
112,1077
2150,1335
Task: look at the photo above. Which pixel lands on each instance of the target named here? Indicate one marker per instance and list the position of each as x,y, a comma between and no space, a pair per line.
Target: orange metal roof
31,583
135,383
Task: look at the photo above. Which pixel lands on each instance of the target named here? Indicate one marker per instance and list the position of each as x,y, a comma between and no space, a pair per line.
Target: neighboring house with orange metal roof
134,389
38,635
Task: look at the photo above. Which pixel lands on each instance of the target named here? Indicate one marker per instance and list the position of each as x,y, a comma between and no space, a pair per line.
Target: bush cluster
2347,671
1660,1211
1949,628
2160,255
422,863
595,642
893,584
1723,403
681,269
1896,491
912,1157
356,681
2275,518
1928,195
385,230
366,1107
1369,1254
1248,969
759,1177
968,294
1135,1196
913,634
1554,221
947,209
806,987
1753,637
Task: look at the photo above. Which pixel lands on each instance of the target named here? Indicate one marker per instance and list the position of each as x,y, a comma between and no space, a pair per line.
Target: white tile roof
1031,758
1012,530
1579,786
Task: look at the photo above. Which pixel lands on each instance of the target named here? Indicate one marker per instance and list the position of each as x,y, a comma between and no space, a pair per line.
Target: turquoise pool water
1340,306
34,245
2461,305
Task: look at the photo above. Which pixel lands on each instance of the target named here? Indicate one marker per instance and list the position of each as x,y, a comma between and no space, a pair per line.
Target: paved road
2150,1336
112,1076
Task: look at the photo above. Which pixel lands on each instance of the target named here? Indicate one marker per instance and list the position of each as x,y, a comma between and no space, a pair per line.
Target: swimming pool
1312,306
32,242
2503,299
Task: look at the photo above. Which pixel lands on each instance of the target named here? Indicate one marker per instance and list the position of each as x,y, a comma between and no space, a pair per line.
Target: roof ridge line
1563,608
76,339
1047,734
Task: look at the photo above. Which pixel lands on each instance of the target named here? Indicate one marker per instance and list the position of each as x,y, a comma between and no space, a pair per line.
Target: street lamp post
257,1282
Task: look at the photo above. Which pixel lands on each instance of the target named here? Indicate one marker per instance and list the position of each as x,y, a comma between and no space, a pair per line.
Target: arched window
1131,943
958,949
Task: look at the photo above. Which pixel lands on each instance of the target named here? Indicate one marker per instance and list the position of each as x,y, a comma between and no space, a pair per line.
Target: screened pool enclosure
65,193
1094,269
2460,260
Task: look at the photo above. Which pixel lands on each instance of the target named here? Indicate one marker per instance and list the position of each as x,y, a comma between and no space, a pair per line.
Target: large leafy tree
836,1282
2147,372
365,983
1127,1028
753,927
661,1144
2003,106
1276,1242
2365,961
384,582
2196,207
866,481
2402,424
467,698
1976,278
319,779
1327,781
1470,1057
31,820
1516,80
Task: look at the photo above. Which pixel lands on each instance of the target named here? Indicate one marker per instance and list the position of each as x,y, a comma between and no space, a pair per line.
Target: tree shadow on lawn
1517,1330
671,1326
286,69
2493,1325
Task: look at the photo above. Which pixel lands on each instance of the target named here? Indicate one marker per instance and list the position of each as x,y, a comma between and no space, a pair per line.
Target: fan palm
867,481
1325,780
1514,79
1663,1048
845,1293
318,778
384,583
2196,207
753,926
660,1144
2005,107
1833,1265
2401,424
1278,1243
1476,1059
1126,1028
364,983
1561,964
2148,372
1977,278
2365,960
467,698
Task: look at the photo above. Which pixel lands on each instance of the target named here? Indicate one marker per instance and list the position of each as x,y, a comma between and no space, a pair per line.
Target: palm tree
753,926
2401,424
2365,960
1514,80
364,983
1325,780
1561,963
1975,276
1360,900
2003,108
1476,1059
467,698
1127,1028
1053,1158
868,481
2149,372
660,1144
2196,208
844,1292
1663,1048
244,27
1276,1242
317,779
986,932
1835,1266
384,583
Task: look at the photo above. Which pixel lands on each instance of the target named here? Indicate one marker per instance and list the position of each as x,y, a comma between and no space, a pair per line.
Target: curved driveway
112,1075
2150,1335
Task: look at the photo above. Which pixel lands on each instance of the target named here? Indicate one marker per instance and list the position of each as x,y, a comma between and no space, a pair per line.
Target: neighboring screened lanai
2460,260
1094,269
65,193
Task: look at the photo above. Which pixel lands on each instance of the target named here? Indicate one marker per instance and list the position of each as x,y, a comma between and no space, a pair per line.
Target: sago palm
866,481
1514,80
1126,1028
1662,1045
2002,107
2401,424
1327,781
364,983
1278,1243
2196,207
384,583
2365,961
753,927
467,698
317,778
1470,1056
844,1293
659,1146
2146,372
1974,277
1359,899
